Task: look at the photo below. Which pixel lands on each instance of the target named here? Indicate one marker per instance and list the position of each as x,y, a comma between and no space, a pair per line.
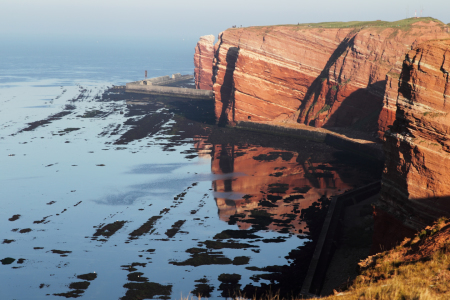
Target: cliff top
426,21
403,24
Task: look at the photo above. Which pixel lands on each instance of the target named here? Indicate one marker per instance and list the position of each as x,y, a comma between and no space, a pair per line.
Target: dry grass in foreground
417,269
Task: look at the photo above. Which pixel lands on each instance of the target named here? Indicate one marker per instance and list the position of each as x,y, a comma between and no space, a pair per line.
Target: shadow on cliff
360,110
389,230
313,92
227,88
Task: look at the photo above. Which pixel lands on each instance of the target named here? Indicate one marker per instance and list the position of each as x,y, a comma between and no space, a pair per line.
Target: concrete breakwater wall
371,150
328,238
169,91
164,80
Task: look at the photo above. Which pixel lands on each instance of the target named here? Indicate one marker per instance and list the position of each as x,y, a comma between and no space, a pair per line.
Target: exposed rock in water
416,186
203,61
318,74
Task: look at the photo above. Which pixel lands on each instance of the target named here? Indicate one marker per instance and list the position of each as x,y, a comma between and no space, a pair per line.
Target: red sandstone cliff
416,180
203,61
314,74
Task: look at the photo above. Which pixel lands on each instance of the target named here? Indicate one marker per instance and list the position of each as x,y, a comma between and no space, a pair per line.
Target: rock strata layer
203,61
416,181
314,74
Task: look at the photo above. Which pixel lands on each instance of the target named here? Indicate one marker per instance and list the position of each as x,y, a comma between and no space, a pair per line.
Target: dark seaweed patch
292,198
61,252
71,294
87,276
67,130
25,230
146,126
146,290
241,260
13,218
274,240
229,286
137,276
276,174
145,228
109,229
200,259
175,228
34,125
6,241
302,190
230,245
236,234
43,220
278,188
203,289
7,260
81,285
131,268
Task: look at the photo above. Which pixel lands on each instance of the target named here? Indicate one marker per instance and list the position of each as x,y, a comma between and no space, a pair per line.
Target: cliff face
416,181
313,74
203,61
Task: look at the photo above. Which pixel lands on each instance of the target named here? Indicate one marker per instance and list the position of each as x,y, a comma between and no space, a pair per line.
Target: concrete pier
161,86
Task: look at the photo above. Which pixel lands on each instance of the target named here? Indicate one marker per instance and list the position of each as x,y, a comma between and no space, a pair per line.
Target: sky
187,20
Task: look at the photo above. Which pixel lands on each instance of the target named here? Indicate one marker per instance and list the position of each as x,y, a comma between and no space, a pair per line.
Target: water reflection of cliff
267,188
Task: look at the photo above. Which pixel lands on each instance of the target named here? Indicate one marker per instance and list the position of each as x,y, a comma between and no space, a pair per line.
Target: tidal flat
113,195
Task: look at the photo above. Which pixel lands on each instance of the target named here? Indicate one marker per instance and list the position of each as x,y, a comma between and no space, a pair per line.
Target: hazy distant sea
71,61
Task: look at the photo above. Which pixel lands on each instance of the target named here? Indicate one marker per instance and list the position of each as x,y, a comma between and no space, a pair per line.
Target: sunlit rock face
203,61
267,187
416,180
315,76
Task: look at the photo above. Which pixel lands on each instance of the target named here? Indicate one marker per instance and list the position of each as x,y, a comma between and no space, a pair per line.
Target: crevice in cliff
313,93
227,88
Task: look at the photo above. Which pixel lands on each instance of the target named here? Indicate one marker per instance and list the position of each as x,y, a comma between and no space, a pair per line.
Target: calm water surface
107,195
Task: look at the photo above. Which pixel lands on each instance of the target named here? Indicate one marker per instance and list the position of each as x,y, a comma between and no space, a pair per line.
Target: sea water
87,187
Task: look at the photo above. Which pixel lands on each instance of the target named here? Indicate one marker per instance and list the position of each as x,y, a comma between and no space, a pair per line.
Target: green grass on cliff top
355,24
